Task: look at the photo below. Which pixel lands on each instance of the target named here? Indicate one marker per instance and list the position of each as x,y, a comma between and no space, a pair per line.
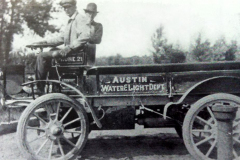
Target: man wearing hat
96,28
80,32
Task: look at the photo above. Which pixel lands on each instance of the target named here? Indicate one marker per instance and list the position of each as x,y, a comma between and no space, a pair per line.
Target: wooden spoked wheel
200,127
54,126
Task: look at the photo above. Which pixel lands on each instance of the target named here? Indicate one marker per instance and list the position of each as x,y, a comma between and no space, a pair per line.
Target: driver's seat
71,69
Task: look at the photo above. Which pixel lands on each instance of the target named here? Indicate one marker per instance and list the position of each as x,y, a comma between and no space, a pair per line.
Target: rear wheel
54,126
200,127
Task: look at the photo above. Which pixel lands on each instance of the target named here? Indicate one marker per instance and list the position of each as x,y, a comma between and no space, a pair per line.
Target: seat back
71,68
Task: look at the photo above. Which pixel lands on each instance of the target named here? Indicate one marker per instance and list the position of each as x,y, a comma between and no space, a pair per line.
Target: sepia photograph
119,80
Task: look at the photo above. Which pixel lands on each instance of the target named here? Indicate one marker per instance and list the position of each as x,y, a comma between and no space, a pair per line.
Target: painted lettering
128,80
129,88
115,80
122,79
134,79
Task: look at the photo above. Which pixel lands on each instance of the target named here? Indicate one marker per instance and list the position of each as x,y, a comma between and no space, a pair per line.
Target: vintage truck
82,98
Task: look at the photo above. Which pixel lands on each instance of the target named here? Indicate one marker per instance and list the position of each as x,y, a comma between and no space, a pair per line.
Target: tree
218,50
164,52
176,56
37,15
201,51
15,13
119,60
158,42
230,53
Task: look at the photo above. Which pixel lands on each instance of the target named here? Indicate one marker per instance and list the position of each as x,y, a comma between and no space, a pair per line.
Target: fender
98,123
194,88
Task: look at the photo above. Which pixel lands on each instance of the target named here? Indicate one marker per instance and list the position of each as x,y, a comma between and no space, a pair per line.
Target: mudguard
98,123
204,85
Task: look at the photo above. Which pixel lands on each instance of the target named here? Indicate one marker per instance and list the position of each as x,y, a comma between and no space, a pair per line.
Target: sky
129,24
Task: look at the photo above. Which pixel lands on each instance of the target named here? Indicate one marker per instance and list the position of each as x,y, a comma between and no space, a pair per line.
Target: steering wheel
41,46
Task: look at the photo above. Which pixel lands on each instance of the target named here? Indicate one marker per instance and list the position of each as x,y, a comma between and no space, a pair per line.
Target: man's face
90,15
69,9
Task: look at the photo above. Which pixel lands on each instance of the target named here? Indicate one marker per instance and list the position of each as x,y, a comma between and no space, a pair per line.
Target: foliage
10,24
15,13
218,50
158,42
203,51
230,53
37,15
119,60
29,60
176,56
164,52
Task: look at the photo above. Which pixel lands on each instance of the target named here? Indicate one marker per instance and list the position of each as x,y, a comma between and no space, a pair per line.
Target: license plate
73,59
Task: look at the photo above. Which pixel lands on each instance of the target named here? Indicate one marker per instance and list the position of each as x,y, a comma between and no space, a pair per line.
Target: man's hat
65,3
91,7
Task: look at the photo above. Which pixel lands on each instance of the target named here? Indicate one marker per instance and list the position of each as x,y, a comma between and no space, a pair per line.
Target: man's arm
77,44
54,41
85,35
59,40
80,42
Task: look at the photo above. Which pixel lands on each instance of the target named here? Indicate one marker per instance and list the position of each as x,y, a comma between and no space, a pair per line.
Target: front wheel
200,127
53,126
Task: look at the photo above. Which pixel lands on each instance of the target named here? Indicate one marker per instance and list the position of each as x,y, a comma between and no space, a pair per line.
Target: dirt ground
138,144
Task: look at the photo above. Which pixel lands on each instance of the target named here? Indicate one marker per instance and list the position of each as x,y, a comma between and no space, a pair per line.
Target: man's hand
65,51
61,53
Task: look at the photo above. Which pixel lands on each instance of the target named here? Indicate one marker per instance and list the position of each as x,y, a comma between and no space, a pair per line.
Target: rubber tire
32,106
191,113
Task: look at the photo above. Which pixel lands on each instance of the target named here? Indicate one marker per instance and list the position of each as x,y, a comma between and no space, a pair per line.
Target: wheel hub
54,130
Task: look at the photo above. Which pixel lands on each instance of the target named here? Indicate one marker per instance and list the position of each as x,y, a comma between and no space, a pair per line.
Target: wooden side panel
184,80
